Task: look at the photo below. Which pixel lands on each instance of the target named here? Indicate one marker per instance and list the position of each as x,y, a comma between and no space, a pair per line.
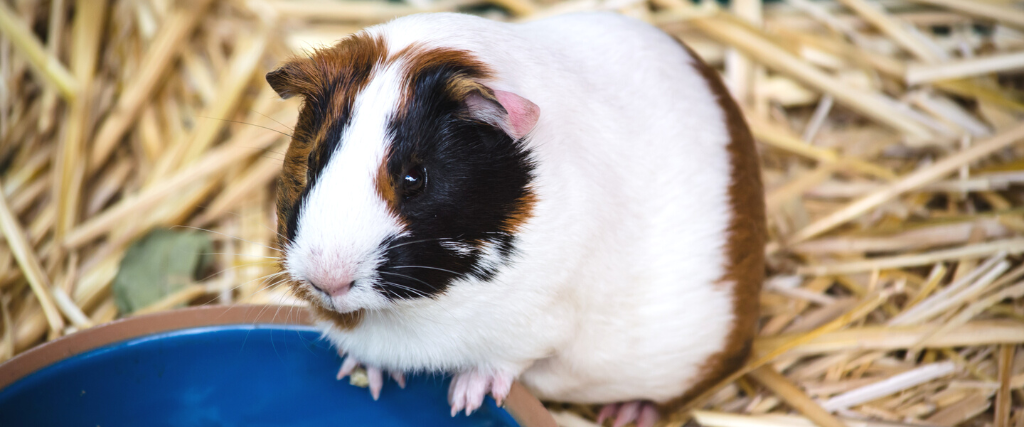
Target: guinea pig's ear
512,113
287,80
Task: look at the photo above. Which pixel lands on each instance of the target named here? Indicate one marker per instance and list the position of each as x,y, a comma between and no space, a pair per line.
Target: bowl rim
523,406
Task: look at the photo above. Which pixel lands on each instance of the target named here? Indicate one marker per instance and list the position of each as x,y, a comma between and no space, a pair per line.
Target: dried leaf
162,262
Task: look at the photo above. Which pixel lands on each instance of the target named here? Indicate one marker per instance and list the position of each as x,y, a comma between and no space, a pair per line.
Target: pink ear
522,114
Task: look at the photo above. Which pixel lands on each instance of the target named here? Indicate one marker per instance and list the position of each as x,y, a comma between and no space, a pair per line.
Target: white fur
614,295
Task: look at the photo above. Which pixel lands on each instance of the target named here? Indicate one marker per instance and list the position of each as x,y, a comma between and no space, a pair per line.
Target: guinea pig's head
406,172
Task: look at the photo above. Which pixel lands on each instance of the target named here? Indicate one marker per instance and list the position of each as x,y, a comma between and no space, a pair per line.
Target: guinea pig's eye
414,180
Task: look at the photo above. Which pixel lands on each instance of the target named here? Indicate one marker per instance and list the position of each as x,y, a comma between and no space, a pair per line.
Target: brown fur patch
339,71
461,88
522,212
385,187
745,246
419,61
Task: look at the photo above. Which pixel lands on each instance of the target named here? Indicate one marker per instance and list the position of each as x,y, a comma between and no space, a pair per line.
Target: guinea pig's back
643,148
633,135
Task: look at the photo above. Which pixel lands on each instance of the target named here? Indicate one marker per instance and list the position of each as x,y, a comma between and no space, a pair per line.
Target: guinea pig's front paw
374,375
468,389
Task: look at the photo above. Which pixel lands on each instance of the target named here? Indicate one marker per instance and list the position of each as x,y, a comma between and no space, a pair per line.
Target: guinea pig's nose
334,288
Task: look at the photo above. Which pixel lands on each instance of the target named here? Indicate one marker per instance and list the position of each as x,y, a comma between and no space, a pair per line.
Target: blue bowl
224,375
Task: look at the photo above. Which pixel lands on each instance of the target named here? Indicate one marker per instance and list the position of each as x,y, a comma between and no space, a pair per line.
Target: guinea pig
574,203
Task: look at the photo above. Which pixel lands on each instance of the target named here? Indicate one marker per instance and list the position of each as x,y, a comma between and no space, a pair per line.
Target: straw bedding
889,133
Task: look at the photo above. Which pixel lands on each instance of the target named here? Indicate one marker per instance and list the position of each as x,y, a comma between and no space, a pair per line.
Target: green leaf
160,263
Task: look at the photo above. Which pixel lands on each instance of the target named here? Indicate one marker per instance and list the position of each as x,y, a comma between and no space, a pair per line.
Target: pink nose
332,287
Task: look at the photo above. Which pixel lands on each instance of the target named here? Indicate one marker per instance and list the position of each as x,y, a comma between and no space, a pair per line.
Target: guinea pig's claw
648,415
347,367
468,389
627,413
607,412
376,378
500,386
399,378
644,413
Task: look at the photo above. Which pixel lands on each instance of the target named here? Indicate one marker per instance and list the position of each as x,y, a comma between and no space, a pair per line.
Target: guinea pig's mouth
361,295
313,295
323,294
327,301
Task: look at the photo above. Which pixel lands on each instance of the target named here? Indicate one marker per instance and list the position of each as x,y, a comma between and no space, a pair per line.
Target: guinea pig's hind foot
643,412
468,389
375,376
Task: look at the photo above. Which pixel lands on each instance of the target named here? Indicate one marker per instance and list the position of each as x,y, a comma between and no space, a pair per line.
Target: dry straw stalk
50,68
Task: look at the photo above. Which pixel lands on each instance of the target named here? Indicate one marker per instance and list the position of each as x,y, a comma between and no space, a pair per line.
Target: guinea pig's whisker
404,288
419,241
268,277
225,235
275,120
269,287
282,158
263,309
276,312
248,264
273,155
242,255
283,237
275,277
425,267
279,277
414,291
407,277
394,297
262,279
247,123
391,294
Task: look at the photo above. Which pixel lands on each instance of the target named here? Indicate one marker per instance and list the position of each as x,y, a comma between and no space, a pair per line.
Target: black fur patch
477,175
